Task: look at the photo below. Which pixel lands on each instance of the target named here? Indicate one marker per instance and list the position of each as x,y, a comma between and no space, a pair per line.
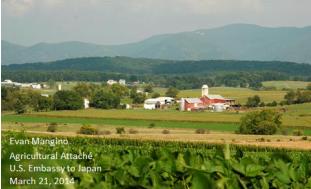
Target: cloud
20,7
16,7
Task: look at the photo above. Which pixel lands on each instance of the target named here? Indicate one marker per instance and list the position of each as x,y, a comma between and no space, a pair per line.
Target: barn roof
215,97
193,100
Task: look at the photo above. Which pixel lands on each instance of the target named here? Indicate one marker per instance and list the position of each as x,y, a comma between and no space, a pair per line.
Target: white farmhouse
35,86
111,82
122,82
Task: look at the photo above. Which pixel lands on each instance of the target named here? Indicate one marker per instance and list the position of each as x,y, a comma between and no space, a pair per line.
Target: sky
28,22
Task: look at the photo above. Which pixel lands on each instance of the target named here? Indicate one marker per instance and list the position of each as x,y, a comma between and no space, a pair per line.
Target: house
152,104
122,82
206,101
111,82
35,86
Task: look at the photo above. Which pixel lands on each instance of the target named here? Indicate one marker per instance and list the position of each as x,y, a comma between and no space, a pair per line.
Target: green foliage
67,100
165,131
52,127
309,87
19,107
202,131
172,92
120,130
155,95
88,130
297,132
253,101
290,97
44,104
120,90
139,98
158,164
265,122
148,88
105,100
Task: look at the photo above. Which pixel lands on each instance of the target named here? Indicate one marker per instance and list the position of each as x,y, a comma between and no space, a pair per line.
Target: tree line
99,96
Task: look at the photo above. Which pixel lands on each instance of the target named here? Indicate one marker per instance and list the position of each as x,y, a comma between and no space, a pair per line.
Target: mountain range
231,42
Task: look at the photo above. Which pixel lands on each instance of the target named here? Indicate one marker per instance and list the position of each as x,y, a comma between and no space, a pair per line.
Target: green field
295,116
279,85
122,122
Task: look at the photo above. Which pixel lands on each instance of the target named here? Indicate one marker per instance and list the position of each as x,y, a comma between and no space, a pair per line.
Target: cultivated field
295,116
279,85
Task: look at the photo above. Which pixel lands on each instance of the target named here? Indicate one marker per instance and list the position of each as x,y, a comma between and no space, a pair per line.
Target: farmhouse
111,82
207,101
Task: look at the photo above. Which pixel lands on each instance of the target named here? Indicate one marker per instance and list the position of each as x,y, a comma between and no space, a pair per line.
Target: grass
279,85
121,122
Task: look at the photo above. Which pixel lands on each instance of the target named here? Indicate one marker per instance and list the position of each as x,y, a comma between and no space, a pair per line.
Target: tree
139,98
253,101
303,97
148,88
44,104
290,97
19,107
155,95
83,89
265,122
51,83
67,100
119,90
172,92
309,87
105,100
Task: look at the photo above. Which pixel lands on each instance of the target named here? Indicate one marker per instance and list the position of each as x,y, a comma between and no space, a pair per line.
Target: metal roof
215,97
193,100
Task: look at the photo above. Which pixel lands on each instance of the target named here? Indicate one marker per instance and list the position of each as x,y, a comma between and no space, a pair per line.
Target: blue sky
28,22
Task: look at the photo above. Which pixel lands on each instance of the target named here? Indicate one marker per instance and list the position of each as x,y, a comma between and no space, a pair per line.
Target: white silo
204,90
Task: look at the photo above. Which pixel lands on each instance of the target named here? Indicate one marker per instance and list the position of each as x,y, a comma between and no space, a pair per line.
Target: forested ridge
128,65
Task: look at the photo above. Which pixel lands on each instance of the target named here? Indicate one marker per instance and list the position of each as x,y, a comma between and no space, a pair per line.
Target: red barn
205,102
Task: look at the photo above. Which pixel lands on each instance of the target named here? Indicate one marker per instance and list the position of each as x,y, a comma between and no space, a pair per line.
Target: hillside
231,42
128,65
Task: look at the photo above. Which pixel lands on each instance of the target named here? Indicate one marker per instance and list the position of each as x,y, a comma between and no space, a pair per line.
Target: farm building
111,82
207,101
152,104
156,103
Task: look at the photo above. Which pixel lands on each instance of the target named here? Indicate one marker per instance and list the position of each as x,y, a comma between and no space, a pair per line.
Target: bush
265,122
202,131
105,132
52,127
165,131
151,125
88,130
133,131
304,138
297,132
120,130
284,131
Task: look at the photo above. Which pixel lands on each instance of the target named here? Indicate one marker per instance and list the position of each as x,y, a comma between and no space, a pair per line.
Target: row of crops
146,164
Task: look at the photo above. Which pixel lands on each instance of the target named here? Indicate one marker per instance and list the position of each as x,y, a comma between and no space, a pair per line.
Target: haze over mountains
231,42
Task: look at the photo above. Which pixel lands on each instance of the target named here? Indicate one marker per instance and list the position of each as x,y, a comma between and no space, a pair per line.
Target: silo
204,90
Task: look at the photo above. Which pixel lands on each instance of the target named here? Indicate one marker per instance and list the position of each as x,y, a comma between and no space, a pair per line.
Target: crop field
279,85
125,163
120,122
295,116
